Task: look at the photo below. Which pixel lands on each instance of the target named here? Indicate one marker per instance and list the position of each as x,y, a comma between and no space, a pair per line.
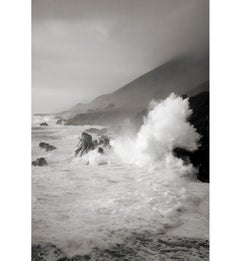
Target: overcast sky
85,48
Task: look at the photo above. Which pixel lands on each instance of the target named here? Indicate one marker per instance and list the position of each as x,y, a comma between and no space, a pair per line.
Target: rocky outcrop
39,162
87,144
199,104
43,124
200,120
46,146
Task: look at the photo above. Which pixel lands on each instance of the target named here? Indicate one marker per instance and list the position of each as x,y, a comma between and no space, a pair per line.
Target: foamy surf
137,187
165,127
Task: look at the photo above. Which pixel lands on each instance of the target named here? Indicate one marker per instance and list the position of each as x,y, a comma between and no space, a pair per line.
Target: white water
165,128
77,206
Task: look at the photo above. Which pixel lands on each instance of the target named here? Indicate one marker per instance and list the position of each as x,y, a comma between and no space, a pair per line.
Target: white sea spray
165,127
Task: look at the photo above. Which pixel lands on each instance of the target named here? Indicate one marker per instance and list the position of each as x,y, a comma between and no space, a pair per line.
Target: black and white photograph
120,130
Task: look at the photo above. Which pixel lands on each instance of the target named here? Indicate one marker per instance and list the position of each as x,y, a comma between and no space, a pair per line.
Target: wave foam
166,127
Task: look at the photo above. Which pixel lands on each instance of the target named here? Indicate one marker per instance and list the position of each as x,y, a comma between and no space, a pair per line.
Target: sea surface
102,208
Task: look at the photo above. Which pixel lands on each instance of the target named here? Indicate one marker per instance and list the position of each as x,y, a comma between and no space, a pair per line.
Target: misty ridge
183,76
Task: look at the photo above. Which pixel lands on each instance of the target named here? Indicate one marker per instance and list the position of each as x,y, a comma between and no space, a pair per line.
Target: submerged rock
46,146
85,145
39,162
43,124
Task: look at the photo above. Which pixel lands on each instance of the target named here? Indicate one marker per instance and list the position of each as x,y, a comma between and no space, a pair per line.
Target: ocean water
136,196
78,206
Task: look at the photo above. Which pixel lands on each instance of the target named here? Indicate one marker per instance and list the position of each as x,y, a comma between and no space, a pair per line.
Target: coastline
136,247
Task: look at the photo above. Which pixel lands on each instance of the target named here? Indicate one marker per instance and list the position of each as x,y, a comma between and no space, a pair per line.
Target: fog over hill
182,75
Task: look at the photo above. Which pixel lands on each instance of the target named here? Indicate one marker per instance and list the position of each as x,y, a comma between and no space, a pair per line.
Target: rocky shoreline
199,103
137,247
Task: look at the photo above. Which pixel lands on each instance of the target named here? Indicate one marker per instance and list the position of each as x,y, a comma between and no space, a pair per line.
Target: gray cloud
84,48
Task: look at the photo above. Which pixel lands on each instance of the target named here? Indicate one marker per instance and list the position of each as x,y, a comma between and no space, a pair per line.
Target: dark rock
85,145
39,162
46,146
182,154
43,124
200,120
95,144
100,150
104,141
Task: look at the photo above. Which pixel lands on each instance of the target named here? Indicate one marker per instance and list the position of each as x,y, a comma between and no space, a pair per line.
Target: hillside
178,75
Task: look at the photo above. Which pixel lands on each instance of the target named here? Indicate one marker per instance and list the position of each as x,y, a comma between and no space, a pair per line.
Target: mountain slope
178,75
